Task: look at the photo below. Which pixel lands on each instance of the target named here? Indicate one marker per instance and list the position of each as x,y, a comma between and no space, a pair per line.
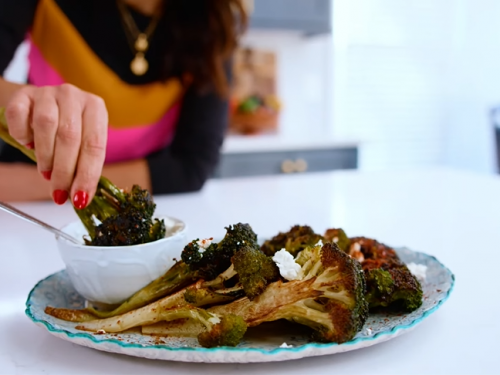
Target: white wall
414,80
474,85
304,72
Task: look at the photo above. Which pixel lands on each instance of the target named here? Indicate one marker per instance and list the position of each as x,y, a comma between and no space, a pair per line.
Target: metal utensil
16,212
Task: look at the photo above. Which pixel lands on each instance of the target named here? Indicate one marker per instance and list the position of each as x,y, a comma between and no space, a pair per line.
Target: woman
137,85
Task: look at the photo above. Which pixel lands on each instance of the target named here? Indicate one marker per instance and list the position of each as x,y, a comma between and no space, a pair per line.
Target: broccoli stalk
329,297
124,218
225,330
251,269
197,263
293,241
219,330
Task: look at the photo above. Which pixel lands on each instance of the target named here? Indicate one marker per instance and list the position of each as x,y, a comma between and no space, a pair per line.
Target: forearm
20,182
126,174
6,90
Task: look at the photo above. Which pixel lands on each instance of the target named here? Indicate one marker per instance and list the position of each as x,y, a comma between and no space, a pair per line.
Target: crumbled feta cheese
287,266
418,270
368,332
214,320
204,244
335,239
285,345
356,247
320,243
96,221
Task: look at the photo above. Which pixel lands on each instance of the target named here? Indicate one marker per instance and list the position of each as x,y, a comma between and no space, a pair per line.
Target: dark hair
202,36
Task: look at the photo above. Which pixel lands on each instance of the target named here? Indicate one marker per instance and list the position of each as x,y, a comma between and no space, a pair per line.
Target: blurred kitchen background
367,84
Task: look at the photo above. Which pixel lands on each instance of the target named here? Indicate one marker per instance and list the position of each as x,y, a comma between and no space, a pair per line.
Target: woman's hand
67,128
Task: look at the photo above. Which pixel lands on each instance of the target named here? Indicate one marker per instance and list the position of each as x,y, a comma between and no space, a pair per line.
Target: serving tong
23,215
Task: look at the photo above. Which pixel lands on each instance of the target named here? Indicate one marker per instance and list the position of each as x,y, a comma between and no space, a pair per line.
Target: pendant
139,64
141,44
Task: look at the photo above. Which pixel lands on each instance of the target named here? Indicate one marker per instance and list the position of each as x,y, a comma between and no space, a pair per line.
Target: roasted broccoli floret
395,288
390,284
227,330
124,218
329,297
255,270
248,275
338,236
201,259
294,241
210,262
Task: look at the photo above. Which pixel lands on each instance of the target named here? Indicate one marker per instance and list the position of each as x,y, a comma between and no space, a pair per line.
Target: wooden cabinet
292,161
307,16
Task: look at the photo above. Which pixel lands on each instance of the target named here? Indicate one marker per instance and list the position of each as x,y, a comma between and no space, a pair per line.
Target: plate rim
70,336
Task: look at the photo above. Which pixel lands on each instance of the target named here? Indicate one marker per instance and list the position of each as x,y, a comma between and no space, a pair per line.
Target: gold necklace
139,41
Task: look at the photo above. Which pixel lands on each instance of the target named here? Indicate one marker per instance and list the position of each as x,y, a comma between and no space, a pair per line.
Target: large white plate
259,345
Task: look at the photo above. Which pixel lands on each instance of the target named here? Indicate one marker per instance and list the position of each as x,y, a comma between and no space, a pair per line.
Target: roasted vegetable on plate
218,290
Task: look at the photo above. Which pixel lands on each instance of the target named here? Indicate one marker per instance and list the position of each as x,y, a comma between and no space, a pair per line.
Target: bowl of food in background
255,114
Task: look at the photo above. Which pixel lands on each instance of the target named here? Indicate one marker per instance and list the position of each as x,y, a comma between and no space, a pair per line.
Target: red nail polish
47,175
80,199
60,196
30,145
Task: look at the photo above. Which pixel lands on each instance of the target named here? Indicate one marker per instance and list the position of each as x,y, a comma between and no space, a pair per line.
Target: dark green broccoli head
208,263
123,230
338,236
227,332
293,241
216,258
236,237
390,284
255,270
141,200
395,288
126,217
328,297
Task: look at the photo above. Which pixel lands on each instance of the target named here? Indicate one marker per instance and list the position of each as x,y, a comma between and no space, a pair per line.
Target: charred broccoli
338,236
394,287
389,283
126,218
248,275
216,258
255,270
294,241
201,259
329,297
113,217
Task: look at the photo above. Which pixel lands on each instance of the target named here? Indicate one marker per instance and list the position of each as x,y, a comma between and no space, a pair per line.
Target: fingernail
30,145
47,175
80,199
60,196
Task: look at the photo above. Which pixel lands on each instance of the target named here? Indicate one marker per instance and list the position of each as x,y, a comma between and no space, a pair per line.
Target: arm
183,166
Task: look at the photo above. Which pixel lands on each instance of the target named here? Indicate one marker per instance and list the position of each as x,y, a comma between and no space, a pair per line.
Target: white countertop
452,215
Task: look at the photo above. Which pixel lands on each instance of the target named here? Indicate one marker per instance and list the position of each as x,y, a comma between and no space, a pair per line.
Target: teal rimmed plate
262,344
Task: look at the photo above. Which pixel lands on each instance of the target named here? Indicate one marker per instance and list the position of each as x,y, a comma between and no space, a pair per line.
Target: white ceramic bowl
109,275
